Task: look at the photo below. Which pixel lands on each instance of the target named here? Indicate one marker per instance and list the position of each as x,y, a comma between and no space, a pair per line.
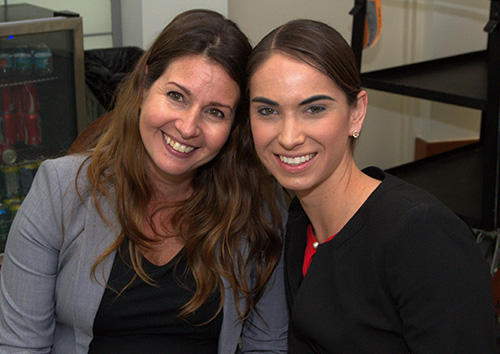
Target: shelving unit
465,179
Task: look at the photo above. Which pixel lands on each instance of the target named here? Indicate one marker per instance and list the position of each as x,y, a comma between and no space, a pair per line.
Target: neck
164,192
332,204
167,192
168,189
165,242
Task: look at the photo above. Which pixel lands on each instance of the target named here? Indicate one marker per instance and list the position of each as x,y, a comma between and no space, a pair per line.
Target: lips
296,160
185,149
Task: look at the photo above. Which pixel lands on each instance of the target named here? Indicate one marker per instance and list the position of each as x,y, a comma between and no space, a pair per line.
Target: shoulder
398,190
412,227
65,167
64,170
419,240
54,183
397,198
408,220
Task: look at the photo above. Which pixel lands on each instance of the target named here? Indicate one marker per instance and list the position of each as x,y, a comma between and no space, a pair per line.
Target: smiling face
186,117
301,123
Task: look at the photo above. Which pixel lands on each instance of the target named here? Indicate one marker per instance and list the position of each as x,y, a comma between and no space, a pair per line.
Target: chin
295,185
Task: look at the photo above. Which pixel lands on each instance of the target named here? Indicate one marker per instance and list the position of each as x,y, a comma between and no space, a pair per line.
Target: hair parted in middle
316,44
228,211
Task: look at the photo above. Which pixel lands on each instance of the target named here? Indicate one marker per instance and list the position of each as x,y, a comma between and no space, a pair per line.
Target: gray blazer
48,299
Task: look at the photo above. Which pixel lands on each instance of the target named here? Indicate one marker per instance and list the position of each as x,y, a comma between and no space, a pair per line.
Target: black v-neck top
143,319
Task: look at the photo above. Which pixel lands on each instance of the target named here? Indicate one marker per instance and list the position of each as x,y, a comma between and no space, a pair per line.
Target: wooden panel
425,149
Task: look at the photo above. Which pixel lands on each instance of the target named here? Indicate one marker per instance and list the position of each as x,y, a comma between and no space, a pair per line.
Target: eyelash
266,111
315,109
218,113
176,96
179,97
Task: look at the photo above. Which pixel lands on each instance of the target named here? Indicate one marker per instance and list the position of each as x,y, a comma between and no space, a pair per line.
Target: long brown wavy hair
231,223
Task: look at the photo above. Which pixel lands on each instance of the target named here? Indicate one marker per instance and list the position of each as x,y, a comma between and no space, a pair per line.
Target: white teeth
178,147
294,161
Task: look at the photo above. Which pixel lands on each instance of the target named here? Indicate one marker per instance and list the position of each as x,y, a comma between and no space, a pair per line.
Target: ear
358,111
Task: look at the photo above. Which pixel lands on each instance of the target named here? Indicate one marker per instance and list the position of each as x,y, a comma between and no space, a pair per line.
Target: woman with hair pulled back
372,263
163,236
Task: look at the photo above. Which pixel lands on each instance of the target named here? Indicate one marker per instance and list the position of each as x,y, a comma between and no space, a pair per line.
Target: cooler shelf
32,79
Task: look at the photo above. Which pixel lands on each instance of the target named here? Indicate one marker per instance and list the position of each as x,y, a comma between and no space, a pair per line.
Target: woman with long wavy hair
163,236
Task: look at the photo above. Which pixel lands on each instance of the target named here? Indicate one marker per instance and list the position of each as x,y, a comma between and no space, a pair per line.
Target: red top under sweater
310,249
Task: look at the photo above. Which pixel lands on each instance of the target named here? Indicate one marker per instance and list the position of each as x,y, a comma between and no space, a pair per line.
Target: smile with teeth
298,160
177,146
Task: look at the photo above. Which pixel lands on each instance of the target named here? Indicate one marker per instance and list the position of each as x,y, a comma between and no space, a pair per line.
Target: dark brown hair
316,44
233,206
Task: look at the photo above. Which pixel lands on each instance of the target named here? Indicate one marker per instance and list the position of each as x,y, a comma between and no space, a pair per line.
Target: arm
29,270
266,329
441,285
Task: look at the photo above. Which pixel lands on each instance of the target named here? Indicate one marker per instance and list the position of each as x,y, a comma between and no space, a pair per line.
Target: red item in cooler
18,93
9,104
20,127
33,131
30,98
9,128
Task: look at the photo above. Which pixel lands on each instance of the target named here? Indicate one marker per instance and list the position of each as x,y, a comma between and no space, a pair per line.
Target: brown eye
176,96
267,111
315,109
216,113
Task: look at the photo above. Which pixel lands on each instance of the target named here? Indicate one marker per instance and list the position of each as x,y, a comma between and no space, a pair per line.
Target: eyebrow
265,100
216,104
180,86
304,102
316,98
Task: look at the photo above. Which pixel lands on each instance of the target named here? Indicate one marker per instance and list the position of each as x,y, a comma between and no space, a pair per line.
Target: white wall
132,21
450,36
258,17
143,20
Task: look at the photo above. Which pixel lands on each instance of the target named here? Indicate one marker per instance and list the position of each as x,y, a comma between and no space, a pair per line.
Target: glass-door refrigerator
42,91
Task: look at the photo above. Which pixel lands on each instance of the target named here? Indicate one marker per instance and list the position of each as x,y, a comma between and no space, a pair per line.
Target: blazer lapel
96,238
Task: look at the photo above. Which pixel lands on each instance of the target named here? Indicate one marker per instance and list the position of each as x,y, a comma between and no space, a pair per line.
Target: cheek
218,136
259,134
147,121
145,117
142,125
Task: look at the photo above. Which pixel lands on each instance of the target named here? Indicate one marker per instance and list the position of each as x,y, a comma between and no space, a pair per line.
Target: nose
291,134
188,124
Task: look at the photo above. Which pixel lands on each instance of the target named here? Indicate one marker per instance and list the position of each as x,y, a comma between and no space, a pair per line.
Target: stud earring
355,134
